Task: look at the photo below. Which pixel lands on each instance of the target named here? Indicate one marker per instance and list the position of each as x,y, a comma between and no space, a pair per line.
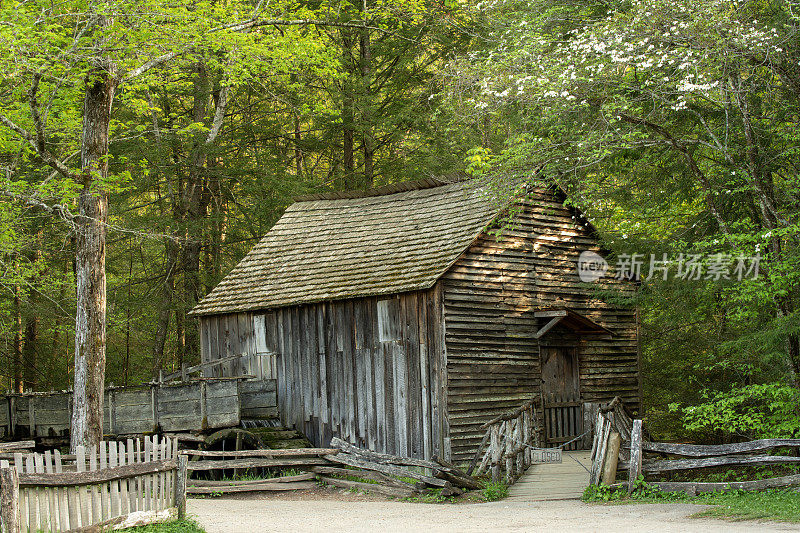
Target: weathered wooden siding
367,370
131,410
490,294
237,334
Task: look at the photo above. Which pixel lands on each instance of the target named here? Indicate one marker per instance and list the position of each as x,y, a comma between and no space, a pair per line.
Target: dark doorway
561,398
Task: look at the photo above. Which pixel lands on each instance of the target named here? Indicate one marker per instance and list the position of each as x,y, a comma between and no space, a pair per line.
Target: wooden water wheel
228,440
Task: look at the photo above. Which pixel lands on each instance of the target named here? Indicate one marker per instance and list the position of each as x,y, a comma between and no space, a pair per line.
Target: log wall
490,293
366,370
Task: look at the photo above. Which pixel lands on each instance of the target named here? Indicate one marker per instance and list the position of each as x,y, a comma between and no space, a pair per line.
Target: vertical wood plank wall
490,293
236,334
366,370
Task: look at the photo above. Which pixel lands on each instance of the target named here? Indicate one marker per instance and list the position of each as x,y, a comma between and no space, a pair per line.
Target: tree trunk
29,350
30,347
348,113
165,308
195,204
366,105
90,320
17,364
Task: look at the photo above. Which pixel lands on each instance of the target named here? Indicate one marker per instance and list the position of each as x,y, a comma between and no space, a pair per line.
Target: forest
146,146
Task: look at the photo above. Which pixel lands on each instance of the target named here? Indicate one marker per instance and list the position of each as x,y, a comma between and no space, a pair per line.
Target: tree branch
37,119
662,131
219,115
45,155
58,210
156,61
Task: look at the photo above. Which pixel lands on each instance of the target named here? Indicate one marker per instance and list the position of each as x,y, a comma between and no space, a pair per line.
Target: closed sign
546,455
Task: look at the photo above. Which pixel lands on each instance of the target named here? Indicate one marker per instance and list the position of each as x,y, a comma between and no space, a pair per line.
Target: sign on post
546,455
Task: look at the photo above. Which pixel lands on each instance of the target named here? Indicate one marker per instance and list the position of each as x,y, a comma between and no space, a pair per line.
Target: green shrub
770,410
173,526
495,491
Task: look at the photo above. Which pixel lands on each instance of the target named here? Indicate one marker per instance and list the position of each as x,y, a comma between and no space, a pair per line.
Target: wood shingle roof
330,248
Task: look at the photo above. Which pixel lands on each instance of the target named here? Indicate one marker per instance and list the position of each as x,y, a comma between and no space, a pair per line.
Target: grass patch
775,504
782,505
430,496
173,526
495,491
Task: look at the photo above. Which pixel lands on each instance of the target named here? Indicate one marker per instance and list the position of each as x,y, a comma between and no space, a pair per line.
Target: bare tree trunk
29,350
18,382
348,113
30,346
90,320
366,105
165,308
69,265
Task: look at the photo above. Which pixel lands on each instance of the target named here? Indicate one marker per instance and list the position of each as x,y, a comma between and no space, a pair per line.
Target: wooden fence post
509,448
611,459
635,465
602,430
9,498
496,453
180,485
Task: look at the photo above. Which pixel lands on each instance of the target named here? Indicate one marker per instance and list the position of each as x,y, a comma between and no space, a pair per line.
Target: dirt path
298,515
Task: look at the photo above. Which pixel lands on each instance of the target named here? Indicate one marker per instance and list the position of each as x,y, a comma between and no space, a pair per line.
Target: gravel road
244,516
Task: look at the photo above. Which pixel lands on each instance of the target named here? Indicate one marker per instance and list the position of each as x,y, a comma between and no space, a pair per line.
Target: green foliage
645,114
754,411
174,526
783,505
777,504
430,496
642,491
494,491
281,136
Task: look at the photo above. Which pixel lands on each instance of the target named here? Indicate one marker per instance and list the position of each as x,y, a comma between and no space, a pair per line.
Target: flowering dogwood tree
680,115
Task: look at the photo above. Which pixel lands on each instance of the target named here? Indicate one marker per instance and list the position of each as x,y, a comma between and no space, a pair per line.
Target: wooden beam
181,475
710,450
759,484
9,498
550,313
550,325
709,462
298,452
635,466
70,479
264,485
255,463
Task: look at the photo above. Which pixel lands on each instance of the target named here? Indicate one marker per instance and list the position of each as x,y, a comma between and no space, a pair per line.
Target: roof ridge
383,190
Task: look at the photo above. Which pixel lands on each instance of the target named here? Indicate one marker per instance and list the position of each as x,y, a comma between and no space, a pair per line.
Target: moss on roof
380,242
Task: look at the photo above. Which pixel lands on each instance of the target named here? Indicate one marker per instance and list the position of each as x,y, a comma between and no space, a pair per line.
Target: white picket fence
118,483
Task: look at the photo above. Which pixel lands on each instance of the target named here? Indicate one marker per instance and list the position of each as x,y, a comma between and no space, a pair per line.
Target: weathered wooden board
259,399
490,294
351,369
127,411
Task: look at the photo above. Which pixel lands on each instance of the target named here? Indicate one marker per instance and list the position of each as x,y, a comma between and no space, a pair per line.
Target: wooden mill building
401,318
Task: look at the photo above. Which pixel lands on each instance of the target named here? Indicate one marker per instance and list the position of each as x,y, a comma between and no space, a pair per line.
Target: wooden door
561,399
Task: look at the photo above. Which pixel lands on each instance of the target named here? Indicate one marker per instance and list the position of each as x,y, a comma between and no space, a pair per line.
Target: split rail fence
619,445
117,484
336,466
508,443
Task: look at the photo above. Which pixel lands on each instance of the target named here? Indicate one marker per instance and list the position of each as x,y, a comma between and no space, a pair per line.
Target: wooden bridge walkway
565,481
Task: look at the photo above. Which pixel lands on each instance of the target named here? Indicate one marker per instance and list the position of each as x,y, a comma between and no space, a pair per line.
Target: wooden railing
508,442
126,483
610,456
243,365
337,466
